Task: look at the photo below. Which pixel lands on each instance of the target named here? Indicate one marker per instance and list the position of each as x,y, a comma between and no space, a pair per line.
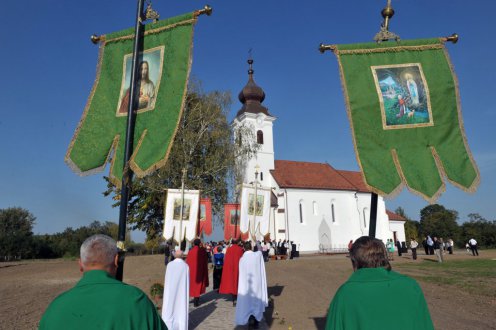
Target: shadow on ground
320,322
273,291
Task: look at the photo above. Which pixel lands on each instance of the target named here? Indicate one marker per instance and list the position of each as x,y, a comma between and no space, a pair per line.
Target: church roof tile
293,174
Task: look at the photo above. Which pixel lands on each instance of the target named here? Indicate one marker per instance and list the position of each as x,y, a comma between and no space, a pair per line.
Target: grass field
473,276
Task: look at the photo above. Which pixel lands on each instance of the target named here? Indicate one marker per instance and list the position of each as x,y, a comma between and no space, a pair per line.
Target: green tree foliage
482,230
16,233
67,243
436,220
411,227
205,147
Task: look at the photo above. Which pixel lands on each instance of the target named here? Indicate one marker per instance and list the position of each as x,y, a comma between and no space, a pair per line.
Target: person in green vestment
99,301
362,302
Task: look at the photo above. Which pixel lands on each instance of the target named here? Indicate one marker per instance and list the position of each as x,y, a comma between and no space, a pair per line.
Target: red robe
198,271
229,281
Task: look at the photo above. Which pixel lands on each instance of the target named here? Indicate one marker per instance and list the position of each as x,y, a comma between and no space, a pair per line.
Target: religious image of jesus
146,90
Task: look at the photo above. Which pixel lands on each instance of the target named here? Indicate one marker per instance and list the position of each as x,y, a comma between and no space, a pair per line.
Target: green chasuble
405,115
375,298
99,301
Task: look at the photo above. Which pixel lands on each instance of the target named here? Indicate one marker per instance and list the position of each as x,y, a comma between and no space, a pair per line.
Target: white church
314,205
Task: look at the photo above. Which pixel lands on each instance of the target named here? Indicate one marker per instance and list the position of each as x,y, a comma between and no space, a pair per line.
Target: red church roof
394,216
306,175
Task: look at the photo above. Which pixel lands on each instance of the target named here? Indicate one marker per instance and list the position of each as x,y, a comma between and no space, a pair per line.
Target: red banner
205,217
231,222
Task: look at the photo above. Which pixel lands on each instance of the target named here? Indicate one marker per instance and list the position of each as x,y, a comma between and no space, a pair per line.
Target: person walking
252,288
398,246
198,271
175,307
473,246
430,245
218,265
438,249
230,273
451,246
413,245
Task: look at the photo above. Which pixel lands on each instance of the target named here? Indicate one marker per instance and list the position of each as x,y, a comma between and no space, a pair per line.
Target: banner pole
127,174
181,212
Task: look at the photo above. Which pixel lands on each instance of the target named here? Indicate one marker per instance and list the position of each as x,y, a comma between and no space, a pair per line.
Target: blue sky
48,68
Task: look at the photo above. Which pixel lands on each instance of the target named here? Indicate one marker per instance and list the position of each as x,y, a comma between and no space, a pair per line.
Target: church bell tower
257,118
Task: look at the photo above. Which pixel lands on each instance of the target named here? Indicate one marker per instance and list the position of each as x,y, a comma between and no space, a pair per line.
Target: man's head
368,252
99,252
247,246
178,254
197,242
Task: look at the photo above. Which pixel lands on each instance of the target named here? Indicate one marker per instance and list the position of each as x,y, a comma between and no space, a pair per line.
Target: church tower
257,118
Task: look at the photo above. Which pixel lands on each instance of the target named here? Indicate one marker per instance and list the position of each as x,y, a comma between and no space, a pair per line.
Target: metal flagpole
252,225
181,212
127,174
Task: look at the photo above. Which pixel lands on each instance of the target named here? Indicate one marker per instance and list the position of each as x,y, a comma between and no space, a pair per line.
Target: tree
411,227
204,147
482,230
436,220
16,233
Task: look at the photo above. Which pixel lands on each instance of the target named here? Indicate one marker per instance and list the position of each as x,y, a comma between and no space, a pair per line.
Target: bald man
99,301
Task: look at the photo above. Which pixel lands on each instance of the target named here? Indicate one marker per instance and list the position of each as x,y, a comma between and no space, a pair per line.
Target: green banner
164,68
404,110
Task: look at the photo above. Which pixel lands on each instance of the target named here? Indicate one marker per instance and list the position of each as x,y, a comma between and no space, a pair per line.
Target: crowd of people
432,246
100,301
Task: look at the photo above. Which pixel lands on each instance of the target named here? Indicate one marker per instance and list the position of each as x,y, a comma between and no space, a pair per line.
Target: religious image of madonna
403,95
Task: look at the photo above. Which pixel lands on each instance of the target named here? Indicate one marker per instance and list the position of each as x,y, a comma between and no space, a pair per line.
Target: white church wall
322,229
399,228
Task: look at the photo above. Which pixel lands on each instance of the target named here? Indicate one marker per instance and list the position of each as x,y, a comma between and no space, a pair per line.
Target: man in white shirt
413,245
175,307
473,247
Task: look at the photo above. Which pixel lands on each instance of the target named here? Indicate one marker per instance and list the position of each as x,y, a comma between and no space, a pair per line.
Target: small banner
164,69
173,226
405,115
255,209
205,217
231,222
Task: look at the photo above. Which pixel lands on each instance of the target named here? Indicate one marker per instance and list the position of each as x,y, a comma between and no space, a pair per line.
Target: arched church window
301,211
315,208
259,137
261,176
333,215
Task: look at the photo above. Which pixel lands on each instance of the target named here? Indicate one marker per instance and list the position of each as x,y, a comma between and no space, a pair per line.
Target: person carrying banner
198,271
230,273
356,303
252,288
99,300
175,307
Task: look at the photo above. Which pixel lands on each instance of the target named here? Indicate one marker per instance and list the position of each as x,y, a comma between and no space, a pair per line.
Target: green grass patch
476,276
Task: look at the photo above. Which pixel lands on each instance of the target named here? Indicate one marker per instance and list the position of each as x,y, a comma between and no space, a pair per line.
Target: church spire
252,95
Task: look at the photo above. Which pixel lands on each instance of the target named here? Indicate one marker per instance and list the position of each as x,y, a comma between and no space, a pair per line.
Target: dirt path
301,290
